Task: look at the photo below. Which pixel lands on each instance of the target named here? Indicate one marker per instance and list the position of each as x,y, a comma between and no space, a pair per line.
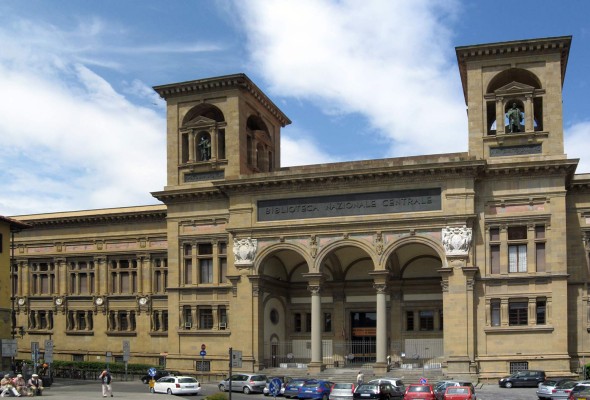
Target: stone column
316,328
529,118
381,324
500,128
26,288
101,275
191,146
214,139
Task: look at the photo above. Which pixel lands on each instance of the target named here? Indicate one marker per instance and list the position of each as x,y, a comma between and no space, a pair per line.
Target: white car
177,385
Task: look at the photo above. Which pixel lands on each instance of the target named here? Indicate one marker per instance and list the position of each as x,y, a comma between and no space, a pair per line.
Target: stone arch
267,252
418,239
205,110
330,248
513,75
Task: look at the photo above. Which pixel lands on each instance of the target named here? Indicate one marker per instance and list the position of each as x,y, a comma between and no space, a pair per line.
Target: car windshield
311,384
367,387
419,388
457,390
566,385
550,382
258,378
343,386
187,380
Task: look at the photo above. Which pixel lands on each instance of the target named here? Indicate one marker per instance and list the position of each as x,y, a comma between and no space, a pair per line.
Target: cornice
235,81
48,220
528,168
467,54
185,194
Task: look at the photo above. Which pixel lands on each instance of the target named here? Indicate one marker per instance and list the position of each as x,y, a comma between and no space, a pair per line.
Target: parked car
526,378
580,387
315,389
177,385
159,374
583,394
342,391
292,388
546,388
441,387
396,382
562,390
284,380
423,392
459,393
247,383
380,391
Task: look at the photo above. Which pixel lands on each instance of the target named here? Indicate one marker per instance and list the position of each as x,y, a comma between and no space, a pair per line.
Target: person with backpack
106,379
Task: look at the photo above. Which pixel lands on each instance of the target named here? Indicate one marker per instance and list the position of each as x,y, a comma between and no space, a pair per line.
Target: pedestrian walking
360,378
106,379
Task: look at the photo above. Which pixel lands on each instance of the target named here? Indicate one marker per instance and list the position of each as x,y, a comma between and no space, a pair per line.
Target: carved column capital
314,288
380,287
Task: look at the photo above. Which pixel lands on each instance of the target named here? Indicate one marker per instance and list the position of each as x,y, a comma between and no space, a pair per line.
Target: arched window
202,134
509,87
259,145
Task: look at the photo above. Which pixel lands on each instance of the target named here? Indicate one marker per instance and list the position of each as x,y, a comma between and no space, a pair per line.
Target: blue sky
81,127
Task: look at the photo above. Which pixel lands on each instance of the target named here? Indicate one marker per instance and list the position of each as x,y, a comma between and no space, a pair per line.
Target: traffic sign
203,347
236,360
274,387
126,350
203,353
423,381
9,347
49,351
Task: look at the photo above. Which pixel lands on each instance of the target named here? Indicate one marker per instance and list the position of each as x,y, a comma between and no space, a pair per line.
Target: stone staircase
349,374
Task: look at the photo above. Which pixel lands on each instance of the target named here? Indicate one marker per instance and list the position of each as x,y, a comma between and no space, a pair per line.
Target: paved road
73,390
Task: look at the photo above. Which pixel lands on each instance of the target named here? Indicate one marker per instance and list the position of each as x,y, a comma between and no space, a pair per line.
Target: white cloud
70,140
577,144
390,61
299,150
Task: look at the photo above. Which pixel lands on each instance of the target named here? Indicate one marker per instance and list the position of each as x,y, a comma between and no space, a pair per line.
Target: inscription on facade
515,150
350,204
203,176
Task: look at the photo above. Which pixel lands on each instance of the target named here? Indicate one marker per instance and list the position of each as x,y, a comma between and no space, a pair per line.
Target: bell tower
218,128
513,92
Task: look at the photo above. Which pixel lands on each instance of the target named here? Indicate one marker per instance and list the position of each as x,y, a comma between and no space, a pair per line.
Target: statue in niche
514,119
205,148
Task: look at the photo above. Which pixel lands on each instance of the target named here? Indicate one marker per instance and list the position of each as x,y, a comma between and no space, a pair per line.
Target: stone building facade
474,262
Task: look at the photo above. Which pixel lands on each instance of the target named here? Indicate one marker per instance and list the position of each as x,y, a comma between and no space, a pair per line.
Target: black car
380,391
526,378
159,373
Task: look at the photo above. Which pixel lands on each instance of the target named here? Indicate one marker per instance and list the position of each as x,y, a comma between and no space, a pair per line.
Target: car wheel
222,388
169,391
508,385
324,397
246,390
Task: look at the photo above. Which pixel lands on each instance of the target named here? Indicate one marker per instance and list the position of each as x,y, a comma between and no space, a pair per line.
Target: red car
458,393
422,392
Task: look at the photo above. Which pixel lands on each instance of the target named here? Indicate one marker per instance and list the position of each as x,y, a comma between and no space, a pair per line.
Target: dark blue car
292,388
313,389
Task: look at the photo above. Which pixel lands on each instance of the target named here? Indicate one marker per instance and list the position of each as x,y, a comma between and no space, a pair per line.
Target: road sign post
126,354
108,357
34,355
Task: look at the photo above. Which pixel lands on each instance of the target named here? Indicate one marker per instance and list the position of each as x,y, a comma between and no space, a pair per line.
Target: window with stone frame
518,312
187,317
43,277
410,320
81,277
517,249
223,317
327,322
210,260
80,320
159,321
495,250
40,320
308,322
121,321
205,318
14,280
123,274
159,273
541,311
495,312
426,320
540,248
297,323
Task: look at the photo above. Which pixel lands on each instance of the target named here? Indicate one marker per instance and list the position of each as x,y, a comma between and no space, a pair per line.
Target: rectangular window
426,320
494,234
203,366
495,312
539,232
517,258
222,248
495,259
409,320
222,314
78,357
540,256
541,312
205,318
518,313
188,264
518,366
440,320
206,270
307,322
517,233
187,317
327,322
297,322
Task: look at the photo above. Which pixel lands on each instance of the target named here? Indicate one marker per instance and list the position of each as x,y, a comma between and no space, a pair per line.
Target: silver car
546,388
342,391
562,390
247,383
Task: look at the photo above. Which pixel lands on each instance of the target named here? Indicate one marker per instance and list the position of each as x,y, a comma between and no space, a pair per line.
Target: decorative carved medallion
245,251
313,246
379,243
456,240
